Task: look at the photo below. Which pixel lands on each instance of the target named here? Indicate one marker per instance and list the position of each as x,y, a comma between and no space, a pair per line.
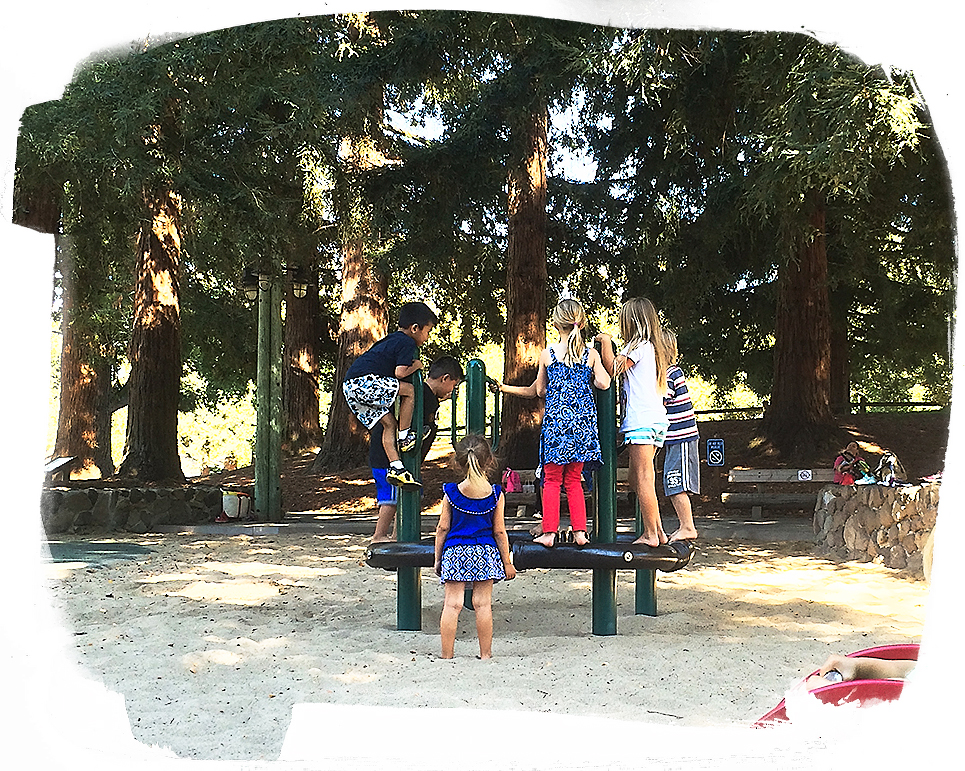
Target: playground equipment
604,556
527,555
851,691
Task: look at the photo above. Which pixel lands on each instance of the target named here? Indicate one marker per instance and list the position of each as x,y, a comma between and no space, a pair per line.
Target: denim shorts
385,494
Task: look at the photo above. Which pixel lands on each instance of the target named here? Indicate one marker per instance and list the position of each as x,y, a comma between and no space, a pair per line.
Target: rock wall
132,509
876,523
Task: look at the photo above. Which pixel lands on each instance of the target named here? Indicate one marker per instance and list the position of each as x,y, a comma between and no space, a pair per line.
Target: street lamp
249,284
299,282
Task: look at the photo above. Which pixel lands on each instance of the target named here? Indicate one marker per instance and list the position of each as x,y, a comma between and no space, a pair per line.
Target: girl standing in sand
471,544
569,439
641,365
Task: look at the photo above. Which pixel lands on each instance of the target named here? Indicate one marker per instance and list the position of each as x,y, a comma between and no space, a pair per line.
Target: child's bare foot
579,538
683,534
652,540
383,539
547,539
484,656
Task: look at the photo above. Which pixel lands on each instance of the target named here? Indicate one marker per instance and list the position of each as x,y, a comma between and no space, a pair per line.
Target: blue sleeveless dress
469,552
569,433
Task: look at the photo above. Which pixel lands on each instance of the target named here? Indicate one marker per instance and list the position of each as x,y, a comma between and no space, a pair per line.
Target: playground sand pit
212,640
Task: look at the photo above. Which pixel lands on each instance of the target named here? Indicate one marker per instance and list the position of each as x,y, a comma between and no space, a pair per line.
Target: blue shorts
385,494
654,435
681,468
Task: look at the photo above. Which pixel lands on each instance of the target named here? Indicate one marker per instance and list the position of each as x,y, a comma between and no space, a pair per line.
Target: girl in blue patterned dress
568,370
471,544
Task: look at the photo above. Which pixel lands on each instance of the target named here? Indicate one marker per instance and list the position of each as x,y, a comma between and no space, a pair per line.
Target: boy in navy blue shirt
375,380
443,376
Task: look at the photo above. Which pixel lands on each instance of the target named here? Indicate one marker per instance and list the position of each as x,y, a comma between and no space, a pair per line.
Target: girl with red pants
568,370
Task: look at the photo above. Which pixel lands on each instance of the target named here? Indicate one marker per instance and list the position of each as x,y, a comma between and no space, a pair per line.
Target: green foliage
704,144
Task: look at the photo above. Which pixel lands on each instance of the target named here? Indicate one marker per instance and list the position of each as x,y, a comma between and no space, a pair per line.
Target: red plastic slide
854,690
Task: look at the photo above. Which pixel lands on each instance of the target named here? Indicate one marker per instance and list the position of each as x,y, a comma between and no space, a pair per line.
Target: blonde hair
569,314
475,457
670,346
639,324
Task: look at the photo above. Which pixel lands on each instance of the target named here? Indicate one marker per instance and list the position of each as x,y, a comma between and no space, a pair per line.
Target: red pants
570,479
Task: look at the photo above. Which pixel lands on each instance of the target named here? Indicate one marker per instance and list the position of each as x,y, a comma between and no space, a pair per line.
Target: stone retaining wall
132,509
876,523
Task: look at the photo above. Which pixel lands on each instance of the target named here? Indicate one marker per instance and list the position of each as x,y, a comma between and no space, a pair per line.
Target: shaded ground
918,438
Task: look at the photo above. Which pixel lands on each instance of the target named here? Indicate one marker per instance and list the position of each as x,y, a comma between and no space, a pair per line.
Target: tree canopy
706,157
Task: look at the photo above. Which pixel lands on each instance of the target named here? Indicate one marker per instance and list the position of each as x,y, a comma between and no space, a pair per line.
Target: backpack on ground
890,471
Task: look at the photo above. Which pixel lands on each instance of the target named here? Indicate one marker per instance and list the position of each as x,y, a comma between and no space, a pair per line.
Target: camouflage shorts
370,397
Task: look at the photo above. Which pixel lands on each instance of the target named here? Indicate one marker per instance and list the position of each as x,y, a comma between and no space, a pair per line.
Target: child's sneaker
407,442
401,478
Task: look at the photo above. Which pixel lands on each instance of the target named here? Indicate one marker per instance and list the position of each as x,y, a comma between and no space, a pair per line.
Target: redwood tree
799,411
300,412
151,446
525,283
83,424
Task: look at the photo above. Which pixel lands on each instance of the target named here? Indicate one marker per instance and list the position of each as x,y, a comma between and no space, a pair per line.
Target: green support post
408,526
476,397
454,415
645,581
475,421
267,459
605,521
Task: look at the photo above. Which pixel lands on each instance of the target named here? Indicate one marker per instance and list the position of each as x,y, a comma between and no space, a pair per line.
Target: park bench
523,503
763,478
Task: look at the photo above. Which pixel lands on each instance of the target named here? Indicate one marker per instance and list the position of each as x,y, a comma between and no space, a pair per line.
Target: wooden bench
523,502
761,499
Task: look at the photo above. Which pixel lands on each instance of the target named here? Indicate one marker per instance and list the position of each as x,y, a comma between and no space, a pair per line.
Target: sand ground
213,639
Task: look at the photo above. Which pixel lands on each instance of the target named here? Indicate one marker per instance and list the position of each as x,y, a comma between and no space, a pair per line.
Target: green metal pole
408,525
454,414
275,407
264,497
476,397
645,581
605,524
475,421
497,400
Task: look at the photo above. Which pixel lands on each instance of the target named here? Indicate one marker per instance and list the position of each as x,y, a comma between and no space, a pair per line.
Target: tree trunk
525,291
151,448
364,321
799,414
302,429
364,315
840,352
83,383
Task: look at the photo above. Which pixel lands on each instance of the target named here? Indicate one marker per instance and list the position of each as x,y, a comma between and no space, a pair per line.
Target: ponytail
569,314
574,347
476,474
475,457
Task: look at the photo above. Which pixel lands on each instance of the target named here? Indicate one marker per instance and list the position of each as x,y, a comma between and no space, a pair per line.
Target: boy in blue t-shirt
375,379
444,375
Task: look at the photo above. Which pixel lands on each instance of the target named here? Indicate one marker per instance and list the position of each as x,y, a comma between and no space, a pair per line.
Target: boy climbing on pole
375,380
445,374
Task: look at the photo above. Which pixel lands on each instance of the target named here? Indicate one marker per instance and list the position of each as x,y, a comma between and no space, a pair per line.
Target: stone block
76,501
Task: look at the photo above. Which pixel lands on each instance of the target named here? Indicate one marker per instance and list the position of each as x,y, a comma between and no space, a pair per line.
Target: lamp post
267,287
